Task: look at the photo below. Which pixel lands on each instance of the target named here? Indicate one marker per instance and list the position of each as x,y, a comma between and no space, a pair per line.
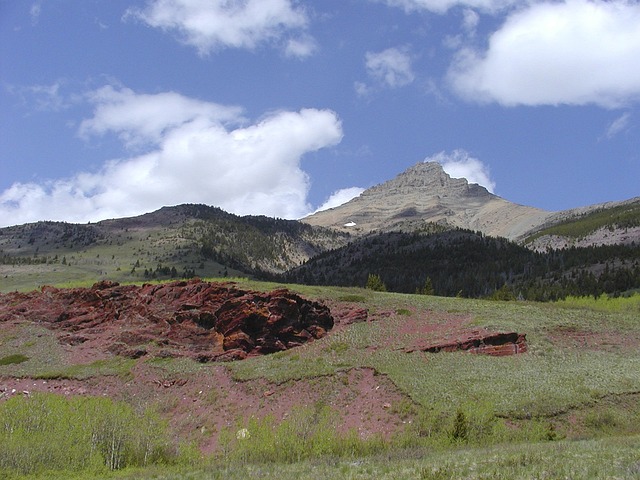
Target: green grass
578,460
603,303
509,407
13,359
116,366
45,432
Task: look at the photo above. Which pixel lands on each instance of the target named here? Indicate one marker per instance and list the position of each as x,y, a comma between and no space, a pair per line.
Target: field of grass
569,408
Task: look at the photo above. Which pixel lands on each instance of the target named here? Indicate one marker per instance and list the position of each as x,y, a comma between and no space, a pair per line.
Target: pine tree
375,283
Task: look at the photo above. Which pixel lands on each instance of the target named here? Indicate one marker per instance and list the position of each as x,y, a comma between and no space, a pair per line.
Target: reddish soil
200,405
219,322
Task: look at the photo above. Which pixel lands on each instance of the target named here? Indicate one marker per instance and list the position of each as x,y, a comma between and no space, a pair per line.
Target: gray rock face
425,193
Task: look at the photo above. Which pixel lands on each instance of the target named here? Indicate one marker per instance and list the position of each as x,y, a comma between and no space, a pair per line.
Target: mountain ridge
199,240
426,193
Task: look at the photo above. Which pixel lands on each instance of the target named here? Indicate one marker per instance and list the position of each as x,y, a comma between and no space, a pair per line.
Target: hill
180,241
370,399
466,263
613,223
396,230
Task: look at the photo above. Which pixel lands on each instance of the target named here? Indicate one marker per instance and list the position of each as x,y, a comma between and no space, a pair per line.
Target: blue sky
118,107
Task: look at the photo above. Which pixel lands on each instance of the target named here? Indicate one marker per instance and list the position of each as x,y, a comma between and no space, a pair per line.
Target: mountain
421,225
425,193
611,223
179,241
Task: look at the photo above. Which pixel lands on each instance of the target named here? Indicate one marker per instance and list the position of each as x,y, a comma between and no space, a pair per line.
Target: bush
49,432
308,432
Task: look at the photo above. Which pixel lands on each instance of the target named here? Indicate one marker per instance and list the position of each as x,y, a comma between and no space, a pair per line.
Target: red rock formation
207,321
481,342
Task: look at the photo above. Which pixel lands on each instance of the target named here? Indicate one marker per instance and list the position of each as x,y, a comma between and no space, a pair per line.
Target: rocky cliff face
426,193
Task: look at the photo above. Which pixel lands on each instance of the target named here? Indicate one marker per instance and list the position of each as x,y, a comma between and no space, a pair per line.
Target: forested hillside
469,264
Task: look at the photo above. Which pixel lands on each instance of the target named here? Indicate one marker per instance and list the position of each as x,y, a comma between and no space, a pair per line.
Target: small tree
375,283
460,431
427,288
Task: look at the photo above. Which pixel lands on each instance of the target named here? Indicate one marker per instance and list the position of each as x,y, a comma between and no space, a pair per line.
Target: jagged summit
430,179
426,193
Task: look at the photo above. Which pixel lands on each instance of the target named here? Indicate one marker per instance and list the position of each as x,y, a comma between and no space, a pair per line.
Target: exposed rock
426,193
203,320
354,315
497,344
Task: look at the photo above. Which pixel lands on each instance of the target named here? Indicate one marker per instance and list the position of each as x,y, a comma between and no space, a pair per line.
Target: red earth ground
182,319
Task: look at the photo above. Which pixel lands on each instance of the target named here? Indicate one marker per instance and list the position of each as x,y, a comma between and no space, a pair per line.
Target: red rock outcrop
203,320
497,344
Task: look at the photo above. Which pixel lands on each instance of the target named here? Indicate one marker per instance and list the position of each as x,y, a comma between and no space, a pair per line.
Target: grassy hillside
182,241
566,409
618,217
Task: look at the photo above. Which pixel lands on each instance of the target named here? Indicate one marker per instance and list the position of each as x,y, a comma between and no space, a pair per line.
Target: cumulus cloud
140,119
576,52
340,197
209,25
442,6
188,151
391,67
460,164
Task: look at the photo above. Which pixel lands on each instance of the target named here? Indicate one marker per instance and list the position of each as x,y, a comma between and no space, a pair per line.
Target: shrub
460,430
307,432
50,432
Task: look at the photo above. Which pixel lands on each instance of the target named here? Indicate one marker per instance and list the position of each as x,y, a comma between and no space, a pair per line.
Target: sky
115,108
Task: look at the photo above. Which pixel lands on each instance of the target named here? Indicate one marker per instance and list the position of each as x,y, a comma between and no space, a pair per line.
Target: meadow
568,408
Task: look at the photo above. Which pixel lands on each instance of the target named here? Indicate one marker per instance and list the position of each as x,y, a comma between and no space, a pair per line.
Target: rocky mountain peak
427,178
425,193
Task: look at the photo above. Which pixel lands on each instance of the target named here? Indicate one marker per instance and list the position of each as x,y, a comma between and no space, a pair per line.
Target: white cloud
391,67
362,89
442,6
470,21
141,118
340,197
575,52
460,164
209,25
301,47
619,125
190,155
